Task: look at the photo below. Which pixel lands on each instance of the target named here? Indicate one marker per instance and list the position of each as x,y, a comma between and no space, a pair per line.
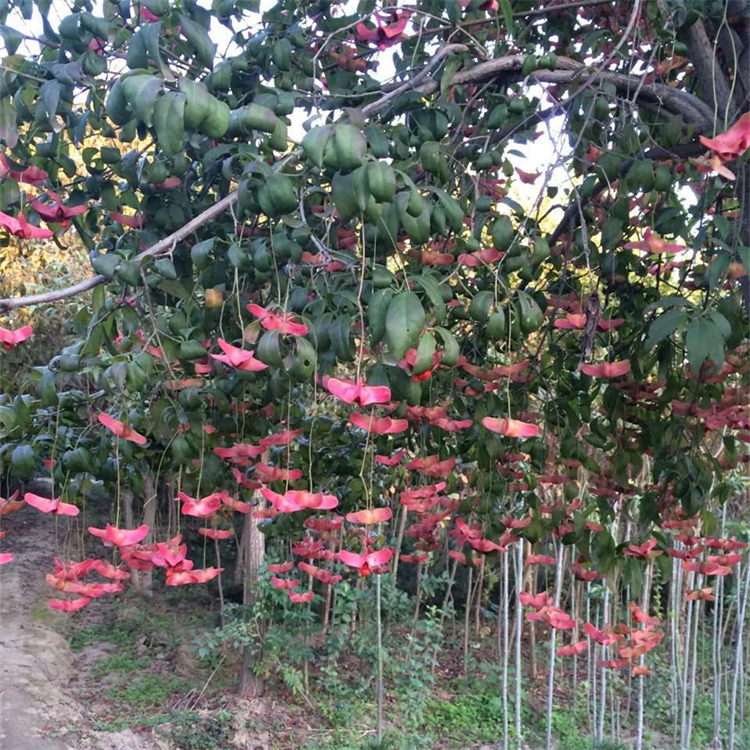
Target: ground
129,675
38,710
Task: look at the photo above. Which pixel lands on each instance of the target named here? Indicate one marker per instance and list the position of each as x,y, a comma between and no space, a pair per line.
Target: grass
41,612
476,718
117,663
146,690
191,730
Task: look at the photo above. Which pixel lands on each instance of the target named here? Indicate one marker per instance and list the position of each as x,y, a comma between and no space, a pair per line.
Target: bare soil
38,708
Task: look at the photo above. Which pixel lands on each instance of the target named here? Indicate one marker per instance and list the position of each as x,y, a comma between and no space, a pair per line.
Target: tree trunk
145,585
253,541
129,516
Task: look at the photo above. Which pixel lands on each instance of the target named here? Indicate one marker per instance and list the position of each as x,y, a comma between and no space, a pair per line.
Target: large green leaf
425,353
403,323
199,40
8,128
432,288
169,122
376,314
704,341
141,92
665,325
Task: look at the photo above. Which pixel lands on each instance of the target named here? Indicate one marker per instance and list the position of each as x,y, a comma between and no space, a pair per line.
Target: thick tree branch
713,83
160,248
695,111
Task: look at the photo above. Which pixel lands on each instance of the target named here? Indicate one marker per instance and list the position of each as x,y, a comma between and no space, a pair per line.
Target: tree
579,389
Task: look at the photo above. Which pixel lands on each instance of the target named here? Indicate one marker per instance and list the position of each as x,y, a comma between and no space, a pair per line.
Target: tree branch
713,83
695,111
160,248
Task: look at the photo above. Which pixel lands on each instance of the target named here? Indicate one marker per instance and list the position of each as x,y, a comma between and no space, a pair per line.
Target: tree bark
254,543
145,585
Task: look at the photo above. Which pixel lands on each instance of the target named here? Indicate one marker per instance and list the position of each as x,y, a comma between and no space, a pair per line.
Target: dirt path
37,710
35,661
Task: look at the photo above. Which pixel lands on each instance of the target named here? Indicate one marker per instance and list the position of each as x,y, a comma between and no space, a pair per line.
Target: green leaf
704,341
141,92
200,253
611,233
11,37
665,325
453,211
169,122
720,322
376,313
106,265
145,45
269,349
165,267
50,92
403,323
199,39
744,253
341,339
432,288
452,66
8,127
175,288
451,350
667,302
425,354
507,12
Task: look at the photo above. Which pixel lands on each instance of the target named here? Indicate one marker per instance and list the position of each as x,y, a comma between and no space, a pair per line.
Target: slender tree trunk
673,668
478,597
419,593
532,623
150,503
251,685
603,672
219,583
399,542
575,615
694,667
448,592
380,690
717,650
467,620
127,498
686,667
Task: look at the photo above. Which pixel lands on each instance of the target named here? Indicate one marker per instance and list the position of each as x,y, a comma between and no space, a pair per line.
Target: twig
417,80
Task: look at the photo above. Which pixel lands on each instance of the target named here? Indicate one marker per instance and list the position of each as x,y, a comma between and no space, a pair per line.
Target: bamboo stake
737,676
505,650
553,640
519,629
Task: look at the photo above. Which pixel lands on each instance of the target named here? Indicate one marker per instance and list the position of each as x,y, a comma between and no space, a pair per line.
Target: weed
190,730
83,637
566,726
606,744
117,663
146,690
476,718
